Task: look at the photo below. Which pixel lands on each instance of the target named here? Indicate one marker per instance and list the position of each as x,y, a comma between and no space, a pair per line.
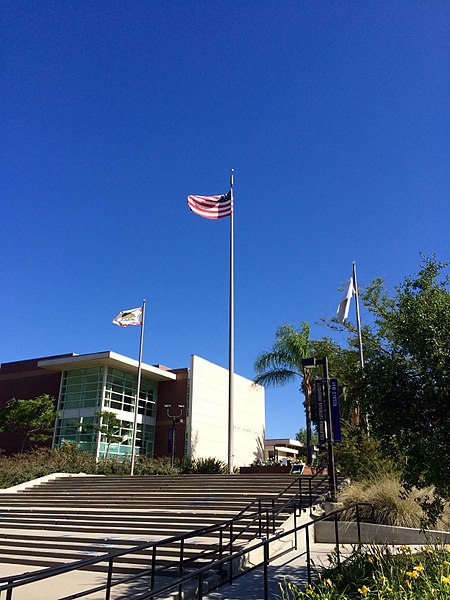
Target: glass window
78,432
81,388
121,392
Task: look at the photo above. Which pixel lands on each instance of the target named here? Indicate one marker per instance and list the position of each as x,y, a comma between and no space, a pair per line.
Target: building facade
85,385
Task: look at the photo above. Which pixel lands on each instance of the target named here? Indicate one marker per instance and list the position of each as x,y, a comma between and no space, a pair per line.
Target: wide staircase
72,518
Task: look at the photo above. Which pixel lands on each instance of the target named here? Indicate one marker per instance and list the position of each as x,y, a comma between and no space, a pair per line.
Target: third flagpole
138,387
358,319
358,326
231,336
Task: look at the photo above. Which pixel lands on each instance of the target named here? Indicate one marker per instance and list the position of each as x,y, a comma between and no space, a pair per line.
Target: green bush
155,466
361,457
70,459
44,461
209,465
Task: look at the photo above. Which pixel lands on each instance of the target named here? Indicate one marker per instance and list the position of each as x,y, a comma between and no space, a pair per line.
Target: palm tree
283,363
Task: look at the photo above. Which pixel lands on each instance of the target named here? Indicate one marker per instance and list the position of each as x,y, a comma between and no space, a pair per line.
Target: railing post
336,538
273,515
308,554
200,586
260,518
230,578
152,578
358,524
180,568
220,543
109,579
266,570
295,528
10,591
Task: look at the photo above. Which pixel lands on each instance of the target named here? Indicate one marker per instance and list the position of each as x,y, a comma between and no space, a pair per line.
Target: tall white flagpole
138,388
358,326
231,338
358,319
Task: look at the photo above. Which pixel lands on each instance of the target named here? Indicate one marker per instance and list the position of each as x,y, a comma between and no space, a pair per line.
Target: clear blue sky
333,114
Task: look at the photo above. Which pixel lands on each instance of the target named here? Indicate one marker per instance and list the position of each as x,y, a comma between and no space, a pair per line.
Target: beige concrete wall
208,418
371,533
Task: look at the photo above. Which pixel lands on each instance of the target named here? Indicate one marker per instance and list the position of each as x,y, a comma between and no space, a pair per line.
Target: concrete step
71,518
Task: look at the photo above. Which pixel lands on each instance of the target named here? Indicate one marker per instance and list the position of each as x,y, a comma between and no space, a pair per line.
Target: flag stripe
211,207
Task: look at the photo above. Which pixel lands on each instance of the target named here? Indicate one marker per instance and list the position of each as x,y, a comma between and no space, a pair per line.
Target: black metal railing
223,549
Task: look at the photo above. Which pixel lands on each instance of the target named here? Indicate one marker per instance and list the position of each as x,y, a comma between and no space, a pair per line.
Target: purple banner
335,412
321,412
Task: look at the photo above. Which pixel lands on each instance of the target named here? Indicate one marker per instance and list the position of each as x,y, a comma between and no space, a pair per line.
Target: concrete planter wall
376,534
275,469
263,469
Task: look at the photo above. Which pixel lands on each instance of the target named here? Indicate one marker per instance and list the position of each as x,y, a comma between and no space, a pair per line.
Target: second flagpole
231,337
138,388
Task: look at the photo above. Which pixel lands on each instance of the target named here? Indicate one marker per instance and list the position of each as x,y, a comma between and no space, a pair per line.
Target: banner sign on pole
321,412
335,412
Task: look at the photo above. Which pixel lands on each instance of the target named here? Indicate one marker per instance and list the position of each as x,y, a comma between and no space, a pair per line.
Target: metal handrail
198,574
10,582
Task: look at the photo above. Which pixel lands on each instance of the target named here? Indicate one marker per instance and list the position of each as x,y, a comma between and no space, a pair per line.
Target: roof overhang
283,442
286,449
106,359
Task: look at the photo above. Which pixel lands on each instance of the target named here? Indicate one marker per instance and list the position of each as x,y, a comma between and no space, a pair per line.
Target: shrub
20,468
155,466
392,503
209,465
361,457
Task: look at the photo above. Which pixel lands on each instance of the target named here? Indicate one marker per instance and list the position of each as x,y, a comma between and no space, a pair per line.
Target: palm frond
275,377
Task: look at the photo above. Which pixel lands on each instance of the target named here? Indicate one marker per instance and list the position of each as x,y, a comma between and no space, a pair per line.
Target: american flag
211,207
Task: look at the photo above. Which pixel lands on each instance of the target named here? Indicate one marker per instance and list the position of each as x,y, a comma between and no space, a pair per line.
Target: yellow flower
445,580
309,592
328,583
419,568
364,590
448,548
413,574
339,577
369,559
446,563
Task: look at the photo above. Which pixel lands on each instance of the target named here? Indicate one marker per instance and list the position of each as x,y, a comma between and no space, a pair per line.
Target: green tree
301,436
108,426
283,364
407,374
34,419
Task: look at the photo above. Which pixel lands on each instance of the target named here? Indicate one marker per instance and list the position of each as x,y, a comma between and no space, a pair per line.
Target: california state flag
129,317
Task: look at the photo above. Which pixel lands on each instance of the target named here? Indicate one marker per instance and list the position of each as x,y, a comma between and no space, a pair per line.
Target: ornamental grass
393,504
380,573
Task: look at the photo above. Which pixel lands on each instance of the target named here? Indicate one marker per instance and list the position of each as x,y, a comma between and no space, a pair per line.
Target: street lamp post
175,419
310,363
